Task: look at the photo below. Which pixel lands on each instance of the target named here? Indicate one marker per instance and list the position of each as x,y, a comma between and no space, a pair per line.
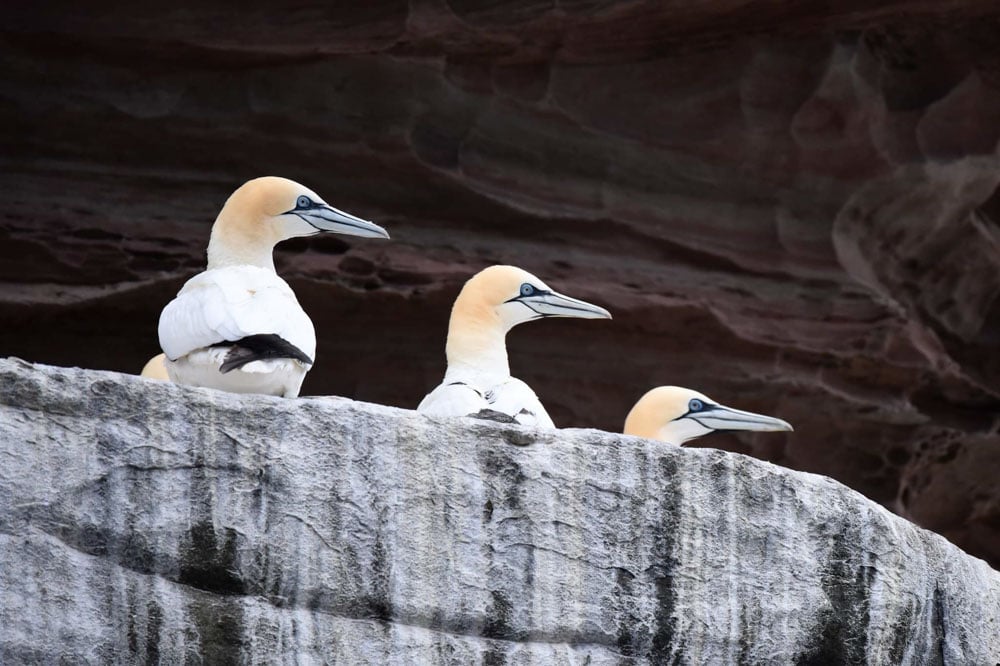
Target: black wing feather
259,348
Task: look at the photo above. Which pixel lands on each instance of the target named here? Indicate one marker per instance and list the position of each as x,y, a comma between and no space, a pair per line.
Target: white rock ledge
142,522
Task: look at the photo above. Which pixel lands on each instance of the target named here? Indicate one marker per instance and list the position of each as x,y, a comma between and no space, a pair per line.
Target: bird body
674,415
478,377
509,396
237,326
230,304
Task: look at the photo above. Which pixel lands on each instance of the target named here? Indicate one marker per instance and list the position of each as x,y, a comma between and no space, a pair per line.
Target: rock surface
142,522
792,207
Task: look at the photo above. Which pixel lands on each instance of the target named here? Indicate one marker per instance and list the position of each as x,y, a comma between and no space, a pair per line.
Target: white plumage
510,396
238,326
228,304
478,377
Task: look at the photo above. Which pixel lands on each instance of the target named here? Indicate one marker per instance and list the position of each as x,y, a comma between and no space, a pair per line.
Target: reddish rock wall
793,209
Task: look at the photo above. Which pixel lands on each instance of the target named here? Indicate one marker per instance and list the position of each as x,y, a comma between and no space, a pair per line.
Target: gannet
675,415
155,368
238,326
478,376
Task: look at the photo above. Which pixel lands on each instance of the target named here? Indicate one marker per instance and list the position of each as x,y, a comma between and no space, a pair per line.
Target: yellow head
491,303
265,211
504,296
155,368
675,415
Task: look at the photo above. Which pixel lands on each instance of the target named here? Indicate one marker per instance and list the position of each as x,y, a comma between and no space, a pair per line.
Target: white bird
238,326
675,415
478,377
155,368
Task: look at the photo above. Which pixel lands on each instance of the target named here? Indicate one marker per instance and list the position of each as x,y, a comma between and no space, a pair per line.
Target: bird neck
237,242
672,432
477,347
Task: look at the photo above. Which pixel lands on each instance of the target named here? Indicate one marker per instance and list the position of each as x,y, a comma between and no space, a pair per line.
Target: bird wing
453,399
515,398
228,304
512,397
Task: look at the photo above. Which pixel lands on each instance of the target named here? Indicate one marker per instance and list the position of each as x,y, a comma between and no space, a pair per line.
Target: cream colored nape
484,294
253,221
155,369
265,211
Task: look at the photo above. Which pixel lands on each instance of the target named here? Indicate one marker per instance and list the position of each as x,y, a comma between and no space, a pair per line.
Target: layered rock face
143,522
792,207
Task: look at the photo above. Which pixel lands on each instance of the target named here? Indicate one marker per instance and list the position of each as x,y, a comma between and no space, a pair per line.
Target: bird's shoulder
237,283
518,400
510,396
232,303
453,398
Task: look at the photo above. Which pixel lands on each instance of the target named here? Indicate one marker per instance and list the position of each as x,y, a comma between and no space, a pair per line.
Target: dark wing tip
260,348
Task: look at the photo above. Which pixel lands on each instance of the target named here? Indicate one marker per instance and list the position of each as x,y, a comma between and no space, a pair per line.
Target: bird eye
695,405
527,289
303,202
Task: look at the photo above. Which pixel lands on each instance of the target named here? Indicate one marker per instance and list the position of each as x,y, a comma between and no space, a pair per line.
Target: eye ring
527,289
695,405
303,202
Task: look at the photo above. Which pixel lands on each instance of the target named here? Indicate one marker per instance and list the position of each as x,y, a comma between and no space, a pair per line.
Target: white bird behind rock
156,368
238,326
675,415
478,377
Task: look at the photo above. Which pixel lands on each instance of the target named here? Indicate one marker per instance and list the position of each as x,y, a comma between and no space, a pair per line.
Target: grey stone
143,522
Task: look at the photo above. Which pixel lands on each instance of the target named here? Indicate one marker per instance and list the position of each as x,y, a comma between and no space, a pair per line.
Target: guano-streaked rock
143,522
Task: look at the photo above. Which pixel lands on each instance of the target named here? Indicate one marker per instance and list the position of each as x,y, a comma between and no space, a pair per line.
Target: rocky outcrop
792,207
143,522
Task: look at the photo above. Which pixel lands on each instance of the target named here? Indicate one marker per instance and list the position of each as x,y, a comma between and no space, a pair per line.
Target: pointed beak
553,304
327,218
720,417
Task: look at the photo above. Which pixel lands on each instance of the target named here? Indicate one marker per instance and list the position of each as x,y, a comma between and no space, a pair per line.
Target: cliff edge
143,522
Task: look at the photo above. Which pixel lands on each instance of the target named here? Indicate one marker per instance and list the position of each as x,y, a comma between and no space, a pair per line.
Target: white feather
231,303
510,396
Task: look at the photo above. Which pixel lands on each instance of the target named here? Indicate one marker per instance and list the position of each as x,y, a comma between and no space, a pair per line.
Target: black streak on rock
498,617
627,639
220,631
380,606
843,628
662,571
938,629
153,624
208,564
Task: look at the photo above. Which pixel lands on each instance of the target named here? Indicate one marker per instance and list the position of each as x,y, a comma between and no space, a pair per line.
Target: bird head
508,296
265,211
675,415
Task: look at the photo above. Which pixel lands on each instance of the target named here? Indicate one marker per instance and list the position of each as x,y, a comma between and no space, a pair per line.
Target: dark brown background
791,208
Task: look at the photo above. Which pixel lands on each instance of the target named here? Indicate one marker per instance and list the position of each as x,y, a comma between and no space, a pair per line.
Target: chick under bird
238,326
478,377
675,415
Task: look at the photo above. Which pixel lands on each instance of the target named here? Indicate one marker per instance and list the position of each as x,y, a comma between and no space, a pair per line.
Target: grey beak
552,304
327,218
720,417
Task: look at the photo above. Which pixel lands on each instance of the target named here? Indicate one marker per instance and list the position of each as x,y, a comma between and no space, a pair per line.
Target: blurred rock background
790,206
